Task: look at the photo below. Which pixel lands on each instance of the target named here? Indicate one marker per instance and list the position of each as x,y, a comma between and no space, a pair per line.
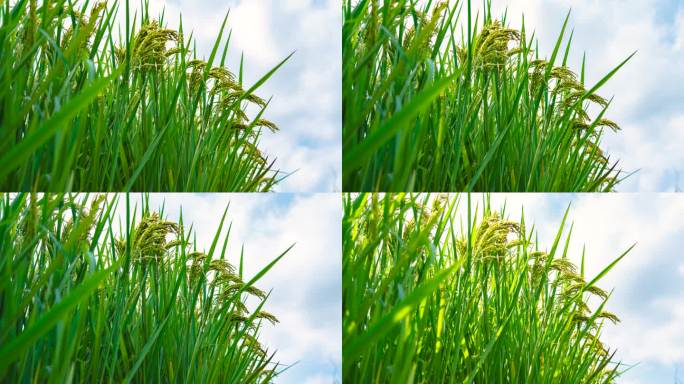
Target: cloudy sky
306,91
648,284
649,103
306,285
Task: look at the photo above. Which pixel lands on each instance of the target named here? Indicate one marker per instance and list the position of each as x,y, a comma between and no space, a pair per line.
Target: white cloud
250,22
309,278
679,25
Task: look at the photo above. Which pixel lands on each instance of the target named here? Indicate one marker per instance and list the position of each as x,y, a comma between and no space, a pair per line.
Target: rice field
439,289
440,97
85,300
437,96
90,104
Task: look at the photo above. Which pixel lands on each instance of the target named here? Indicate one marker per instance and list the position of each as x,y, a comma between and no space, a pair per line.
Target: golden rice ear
609,123
268,124
238,114
253,151
173,52
538,63
563,74
564,266
256,100
149,46
267,316
250,340
30,28
609,316
227,278
222,266
149,239
598,100
594,341
492,238
491,48
597,292
580,319
254,291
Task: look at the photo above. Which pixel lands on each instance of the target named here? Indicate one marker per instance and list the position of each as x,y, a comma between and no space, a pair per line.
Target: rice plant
84,301
437,97
429,298
87,104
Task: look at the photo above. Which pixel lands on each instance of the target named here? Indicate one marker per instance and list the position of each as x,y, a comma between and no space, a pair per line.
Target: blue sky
306,285
649,103
648,284
306,92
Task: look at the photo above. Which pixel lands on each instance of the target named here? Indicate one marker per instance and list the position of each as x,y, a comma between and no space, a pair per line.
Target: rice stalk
88,105
85,301
436,98
431,298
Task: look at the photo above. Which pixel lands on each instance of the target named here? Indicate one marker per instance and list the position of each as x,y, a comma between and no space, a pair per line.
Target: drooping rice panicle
437,98
442,293
86,300
87,104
